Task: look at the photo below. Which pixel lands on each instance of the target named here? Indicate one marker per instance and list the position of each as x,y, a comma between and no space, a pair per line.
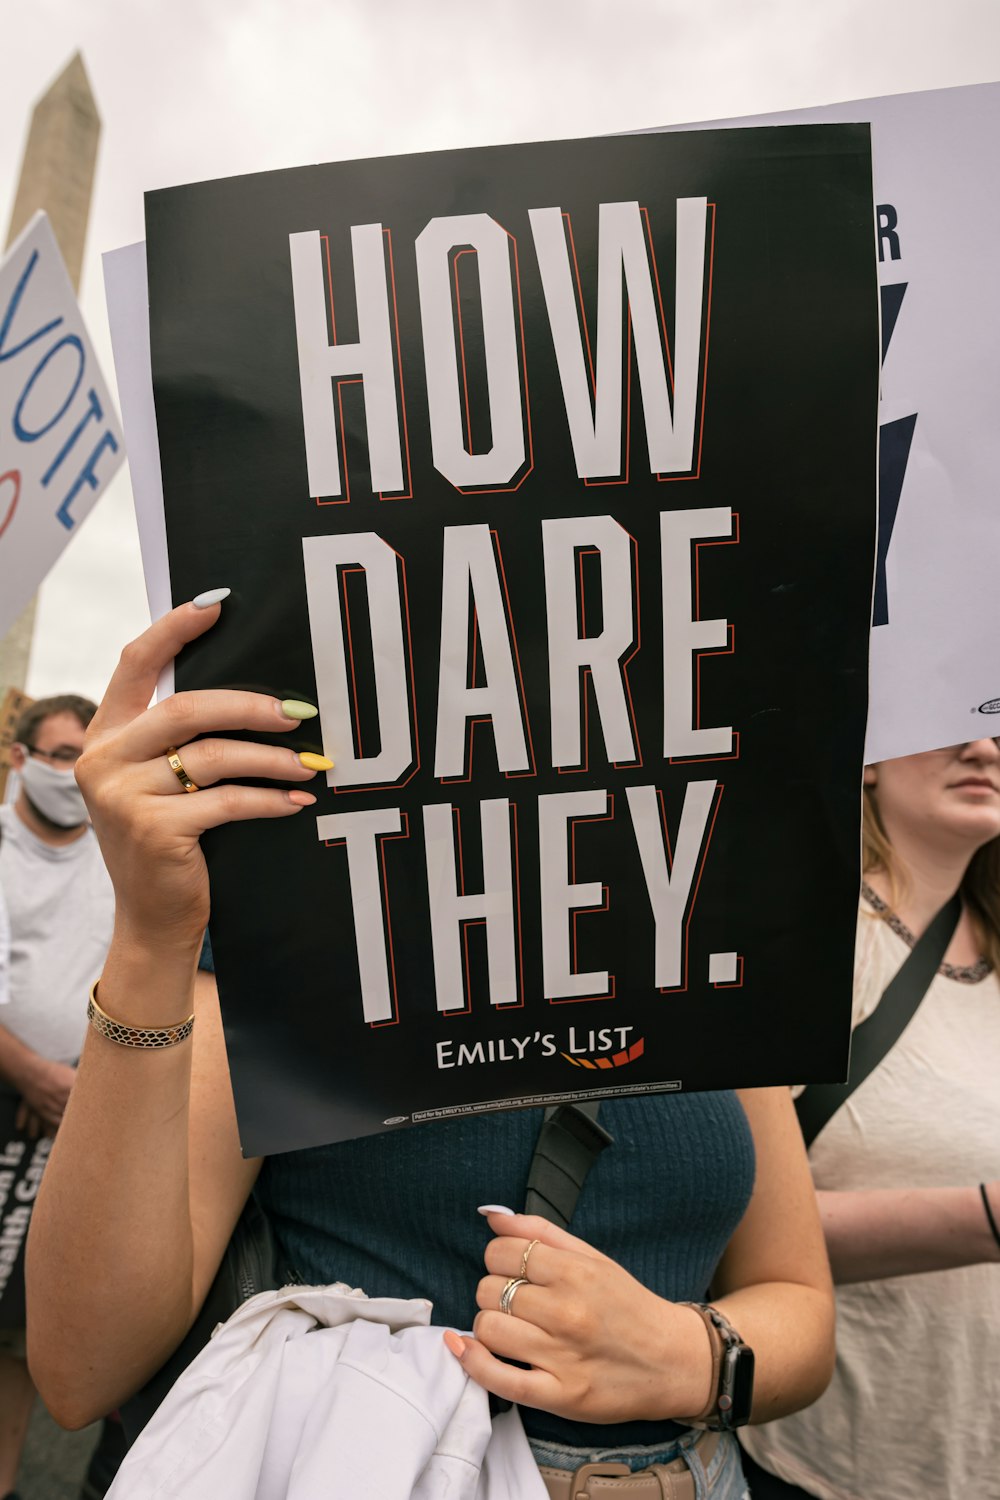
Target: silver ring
523,1272
510,1291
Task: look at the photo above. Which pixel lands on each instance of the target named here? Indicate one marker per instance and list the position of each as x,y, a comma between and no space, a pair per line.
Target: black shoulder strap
876,1036
568,1144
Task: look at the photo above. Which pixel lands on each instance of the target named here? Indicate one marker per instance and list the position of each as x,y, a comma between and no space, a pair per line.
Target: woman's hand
44,1093
33,1126
148,826
600,1346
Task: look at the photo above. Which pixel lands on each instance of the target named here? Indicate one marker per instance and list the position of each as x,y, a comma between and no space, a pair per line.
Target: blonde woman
146,1179
907,1169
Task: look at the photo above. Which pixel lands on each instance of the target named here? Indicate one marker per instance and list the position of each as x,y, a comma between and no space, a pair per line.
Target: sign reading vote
550,472
59,438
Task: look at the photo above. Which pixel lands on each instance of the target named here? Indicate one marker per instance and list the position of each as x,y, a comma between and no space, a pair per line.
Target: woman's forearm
146,1179
113,1297
790,1330
773,1282
881,1232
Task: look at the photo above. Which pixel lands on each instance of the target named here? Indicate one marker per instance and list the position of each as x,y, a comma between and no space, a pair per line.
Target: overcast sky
194,90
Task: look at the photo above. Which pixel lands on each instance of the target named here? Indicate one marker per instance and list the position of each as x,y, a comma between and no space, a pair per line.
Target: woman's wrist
991,1213
157,943
145,984
686,1385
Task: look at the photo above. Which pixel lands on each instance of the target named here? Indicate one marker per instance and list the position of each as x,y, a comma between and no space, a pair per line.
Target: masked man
61,908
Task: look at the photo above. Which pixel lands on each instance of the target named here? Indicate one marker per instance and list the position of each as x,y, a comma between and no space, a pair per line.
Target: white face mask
54,793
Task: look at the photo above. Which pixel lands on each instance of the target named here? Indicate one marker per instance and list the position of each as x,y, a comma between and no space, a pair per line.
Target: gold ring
177,766
523,1272
509,1292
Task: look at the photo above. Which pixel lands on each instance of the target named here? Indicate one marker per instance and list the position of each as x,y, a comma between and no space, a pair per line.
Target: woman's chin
975,815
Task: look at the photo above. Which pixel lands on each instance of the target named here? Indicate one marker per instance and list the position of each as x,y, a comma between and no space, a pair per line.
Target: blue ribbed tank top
396,1214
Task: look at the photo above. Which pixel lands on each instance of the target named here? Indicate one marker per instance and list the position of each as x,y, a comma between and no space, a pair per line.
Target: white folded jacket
322,1393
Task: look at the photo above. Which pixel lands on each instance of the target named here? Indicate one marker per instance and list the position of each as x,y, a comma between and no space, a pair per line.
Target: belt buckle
586,1472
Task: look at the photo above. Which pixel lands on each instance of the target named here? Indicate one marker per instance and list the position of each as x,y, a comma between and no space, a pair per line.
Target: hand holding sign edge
147,826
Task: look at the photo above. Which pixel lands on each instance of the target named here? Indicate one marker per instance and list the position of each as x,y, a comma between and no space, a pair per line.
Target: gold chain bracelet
135,1036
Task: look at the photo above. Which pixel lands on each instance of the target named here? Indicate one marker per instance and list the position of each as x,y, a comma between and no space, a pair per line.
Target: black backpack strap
568,1144
875,1038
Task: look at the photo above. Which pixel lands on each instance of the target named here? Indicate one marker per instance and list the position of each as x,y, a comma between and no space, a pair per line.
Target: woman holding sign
612,1362
906,1165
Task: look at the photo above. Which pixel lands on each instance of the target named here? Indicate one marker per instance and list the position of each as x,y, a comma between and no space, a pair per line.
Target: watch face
736,1385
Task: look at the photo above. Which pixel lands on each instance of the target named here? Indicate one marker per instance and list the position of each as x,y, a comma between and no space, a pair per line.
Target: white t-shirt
914,1406
61,907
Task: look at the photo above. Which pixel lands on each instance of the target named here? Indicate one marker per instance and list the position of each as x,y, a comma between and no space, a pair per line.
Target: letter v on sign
895,439
10,313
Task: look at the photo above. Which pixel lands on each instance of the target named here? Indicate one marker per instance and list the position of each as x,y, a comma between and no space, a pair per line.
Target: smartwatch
732,1363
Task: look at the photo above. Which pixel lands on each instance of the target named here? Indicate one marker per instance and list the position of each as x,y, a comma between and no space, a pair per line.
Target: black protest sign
548,473
22,1162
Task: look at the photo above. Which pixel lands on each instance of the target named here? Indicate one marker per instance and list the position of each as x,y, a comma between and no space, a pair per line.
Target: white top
321,1391
913,1406
61,906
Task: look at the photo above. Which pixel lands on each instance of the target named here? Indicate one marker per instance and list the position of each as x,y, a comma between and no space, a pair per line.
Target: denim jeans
721,1480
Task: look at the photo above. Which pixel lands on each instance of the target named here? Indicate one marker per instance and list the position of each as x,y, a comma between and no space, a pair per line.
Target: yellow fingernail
315,762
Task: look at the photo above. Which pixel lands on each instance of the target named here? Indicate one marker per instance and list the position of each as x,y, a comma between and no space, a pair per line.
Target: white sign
935,652
60,442
128,320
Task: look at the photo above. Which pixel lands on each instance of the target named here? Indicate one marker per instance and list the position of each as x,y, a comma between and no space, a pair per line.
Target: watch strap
717,1346
720,1414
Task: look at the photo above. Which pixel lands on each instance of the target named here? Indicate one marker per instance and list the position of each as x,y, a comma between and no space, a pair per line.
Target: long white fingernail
210,596
494,1208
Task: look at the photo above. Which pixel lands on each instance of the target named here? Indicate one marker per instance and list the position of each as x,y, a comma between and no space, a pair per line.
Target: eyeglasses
63,755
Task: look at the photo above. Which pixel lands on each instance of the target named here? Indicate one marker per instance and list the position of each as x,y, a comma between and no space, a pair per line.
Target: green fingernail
294,708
